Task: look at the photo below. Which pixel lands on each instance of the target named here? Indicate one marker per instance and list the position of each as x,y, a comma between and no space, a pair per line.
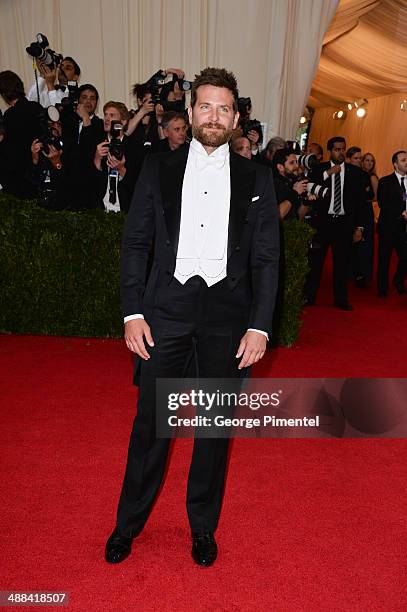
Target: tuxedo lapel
172,172
241,192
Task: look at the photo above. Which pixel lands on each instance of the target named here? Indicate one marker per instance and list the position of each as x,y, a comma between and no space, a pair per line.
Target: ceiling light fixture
403,105
361,112
339,114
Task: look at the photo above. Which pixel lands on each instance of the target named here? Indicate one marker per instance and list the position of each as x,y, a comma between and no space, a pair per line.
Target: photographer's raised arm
146,108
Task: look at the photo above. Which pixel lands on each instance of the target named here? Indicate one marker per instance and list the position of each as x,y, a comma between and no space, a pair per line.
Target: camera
47,136
253,124
155,83
312,188
244,106
39,49
317,190
116,147
70,101
183,84
306,161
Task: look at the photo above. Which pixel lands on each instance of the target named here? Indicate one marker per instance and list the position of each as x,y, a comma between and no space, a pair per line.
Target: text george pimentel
248,423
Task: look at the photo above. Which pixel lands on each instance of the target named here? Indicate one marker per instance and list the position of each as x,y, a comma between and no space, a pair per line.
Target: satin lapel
172,170
242,182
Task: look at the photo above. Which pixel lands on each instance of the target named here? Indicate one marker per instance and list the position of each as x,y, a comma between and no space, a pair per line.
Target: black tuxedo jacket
354,199
391,203
155,214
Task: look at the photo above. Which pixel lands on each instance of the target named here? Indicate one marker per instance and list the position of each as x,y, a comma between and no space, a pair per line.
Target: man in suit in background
392,224
213,218
338,219
22,124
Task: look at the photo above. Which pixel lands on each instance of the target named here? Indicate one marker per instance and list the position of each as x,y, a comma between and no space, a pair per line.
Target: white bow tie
203,162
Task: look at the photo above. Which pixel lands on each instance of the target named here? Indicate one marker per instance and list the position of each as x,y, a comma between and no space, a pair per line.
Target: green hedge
59,272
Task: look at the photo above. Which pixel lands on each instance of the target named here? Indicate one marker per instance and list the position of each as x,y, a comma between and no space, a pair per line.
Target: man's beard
211,139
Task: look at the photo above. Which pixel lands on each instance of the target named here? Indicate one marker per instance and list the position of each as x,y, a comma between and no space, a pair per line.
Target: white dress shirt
342,173
399,177
47,98
202,244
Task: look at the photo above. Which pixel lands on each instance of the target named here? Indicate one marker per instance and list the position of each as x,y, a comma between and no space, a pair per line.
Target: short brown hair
122,108
11,86
170,116
218,77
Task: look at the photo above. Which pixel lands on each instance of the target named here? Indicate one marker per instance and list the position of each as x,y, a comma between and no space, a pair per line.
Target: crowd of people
55,148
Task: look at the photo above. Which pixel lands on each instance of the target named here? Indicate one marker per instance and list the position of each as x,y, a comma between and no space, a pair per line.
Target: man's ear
280,168
190,114
236,120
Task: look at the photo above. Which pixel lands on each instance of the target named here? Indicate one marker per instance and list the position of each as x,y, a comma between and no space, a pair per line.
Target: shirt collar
219,152
342,165
400,176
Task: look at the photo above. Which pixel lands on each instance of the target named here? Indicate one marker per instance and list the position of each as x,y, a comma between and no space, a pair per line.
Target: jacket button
167,242
246,220
237,248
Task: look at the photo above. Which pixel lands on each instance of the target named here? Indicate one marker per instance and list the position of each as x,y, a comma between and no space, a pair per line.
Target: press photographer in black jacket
48,173
291,188
117,161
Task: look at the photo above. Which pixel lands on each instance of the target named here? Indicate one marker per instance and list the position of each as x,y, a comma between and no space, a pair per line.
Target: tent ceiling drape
273,46
364,53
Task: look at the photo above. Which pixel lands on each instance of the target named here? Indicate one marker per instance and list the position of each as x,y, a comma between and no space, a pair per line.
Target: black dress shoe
204,549
399,286
118,547
344,306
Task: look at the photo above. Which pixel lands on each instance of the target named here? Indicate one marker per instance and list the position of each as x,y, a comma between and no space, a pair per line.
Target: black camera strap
113,177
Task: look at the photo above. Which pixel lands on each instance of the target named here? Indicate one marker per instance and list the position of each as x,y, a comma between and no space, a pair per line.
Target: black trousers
387,242
187,320
336,233
363,251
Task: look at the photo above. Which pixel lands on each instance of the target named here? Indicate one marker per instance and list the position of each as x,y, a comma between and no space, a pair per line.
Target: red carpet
307,524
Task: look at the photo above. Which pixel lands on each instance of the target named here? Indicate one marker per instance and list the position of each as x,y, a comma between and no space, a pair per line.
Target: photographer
117,161
82,129
145,123
45,90
48,173
143,126
291,188
250,128
21,127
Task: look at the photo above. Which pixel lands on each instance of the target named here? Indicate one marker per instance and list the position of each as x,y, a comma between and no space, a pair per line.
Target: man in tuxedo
338,219
213,218
392,224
